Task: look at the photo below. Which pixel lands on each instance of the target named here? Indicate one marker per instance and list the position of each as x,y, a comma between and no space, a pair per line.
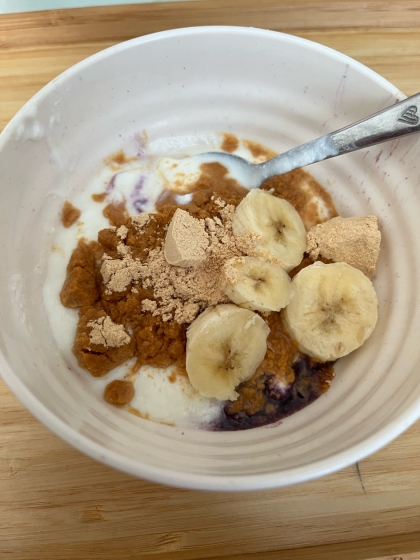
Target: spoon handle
401,119
396,121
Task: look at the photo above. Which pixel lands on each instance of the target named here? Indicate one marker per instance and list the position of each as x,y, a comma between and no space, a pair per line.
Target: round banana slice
256,284
225,345
283,235
334,310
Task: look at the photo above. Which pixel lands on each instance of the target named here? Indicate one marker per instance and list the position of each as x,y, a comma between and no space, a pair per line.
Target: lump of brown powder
69,214
122,232
80,285
140,221
117,274
101,345
104,331
186,241
119,392
230,272
355,241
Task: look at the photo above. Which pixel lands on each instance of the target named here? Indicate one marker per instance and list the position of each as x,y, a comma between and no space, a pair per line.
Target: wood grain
57,504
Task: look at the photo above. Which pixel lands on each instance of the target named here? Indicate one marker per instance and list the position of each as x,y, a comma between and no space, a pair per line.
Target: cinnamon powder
69,214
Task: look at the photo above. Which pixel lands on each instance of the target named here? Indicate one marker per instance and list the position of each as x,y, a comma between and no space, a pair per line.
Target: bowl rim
330,464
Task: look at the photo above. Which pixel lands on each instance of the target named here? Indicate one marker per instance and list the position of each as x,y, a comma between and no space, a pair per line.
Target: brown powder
105,332
247,242
215,178
117,274
122,232
202,285
117,159
355,241
186,241
100,197
116,213
148,305
230,270
140,221
119,392
98,358
186,292
80,287
69,214
219,202
180,293
230,143
137,412
260,152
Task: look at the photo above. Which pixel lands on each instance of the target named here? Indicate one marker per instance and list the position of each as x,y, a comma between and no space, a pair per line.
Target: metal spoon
394,122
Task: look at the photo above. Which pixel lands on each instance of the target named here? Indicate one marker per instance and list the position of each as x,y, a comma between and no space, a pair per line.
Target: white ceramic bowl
191,83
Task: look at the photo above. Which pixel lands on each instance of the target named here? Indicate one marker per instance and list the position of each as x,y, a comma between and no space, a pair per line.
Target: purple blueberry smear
312,379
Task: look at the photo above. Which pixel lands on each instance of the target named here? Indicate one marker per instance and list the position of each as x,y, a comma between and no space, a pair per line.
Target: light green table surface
11,6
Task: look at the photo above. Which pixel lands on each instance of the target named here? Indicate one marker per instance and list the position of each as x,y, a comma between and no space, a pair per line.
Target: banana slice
283,235
256,284
225,345
334,310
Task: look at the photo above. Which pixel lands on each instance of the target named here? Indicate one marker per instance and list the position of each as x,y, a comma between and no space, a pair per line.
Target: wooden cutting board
57,504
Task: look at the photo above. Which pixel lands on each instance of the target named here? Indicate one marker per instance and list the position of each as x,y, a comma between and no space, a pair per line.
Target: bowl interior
182,87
